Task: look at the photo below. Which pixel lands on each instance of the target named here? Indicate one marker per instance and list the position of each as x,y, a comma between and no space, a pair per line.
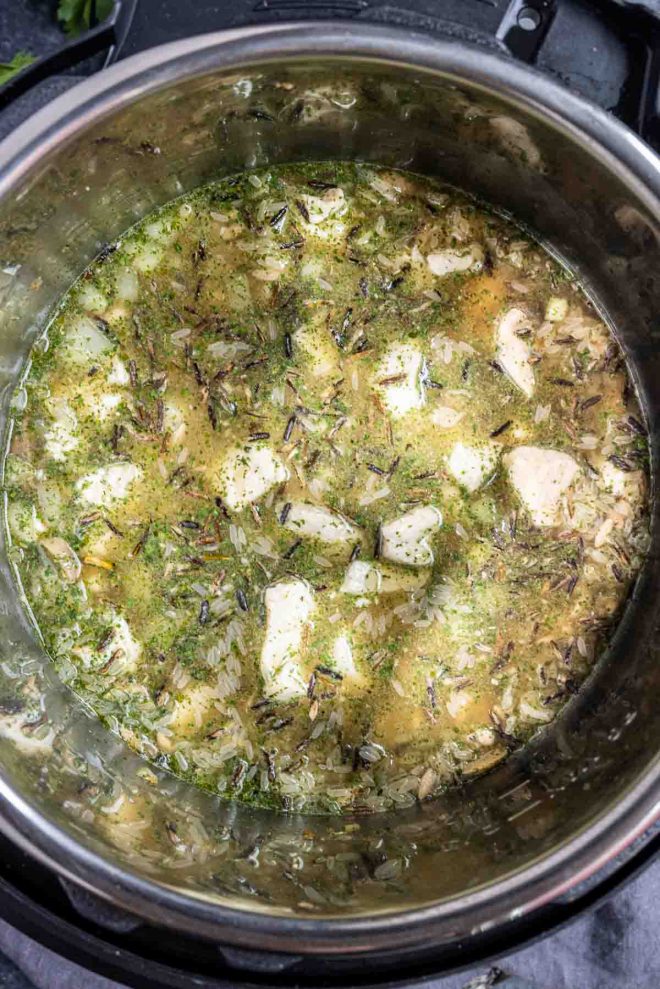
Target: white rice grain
541,413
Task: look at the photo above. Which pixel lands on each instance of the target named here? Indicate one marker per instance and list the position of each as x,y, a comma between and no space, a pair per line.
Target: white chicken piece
556,309
515,138
319,522
323,360
123,638
146,255
12,728
513,352
118,373
174,422
85,341
289,606
320,208
103,406
342,656
620,483
320,349
472,465
361,578
458,700
540,477
127,286
249,473
61,437
121,647
406,540
108,485
442,263
399,377
445,417
24,523
191,707
92,299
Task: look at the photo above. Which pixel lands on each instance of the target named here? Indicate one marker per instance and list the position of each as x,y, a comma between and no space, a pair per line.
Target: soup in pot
326,487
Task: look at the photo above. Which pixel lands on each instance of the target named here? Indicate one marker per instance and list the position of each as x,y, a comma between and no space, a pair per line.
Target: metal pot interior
505,841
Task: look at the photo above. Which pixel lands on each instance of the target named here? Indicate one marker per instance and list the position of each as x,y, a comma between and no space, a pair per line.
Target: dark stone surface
31,26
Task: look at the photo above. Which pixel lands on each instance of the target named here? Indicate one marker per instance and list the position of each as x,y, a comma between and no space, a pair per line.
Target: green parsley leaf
18,62
76,15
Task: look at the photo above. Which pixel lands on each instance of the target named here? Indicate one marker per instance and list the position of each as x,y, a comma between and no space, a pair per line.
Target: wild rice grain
636,426
378,542
501,429
292,549
289,428
302,209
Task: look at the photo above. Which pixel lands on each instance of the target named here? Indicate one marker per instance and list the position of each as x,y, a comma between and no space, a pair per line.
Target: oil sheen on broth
326,487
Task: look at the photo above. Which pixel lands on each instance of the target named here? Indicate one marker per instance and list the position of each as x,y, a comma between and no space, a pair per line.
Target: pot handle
520,30
107,36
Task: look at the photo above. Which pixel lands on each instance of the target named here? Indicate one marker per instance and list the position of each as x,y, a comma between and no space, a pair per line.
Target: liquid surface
325,488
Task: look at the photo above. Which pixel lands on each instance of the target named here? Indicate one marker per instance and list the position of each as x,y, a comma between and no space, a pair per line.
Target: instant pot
287,898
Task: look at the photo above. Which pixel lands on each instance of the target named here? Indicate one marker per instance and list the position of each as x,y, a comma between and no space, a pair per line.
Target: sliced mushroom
64,556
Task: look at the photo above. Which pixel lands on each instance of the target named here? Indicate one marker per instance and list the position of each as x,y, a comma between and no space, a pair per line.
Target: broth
325,488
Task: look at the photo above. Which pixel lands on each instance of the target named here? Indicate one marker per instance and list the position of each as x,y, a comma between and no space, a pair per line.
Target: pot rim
553,875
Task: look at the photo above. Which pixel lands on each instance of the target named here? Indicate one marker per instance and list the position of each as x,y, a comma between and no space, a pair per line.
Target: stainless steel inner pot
73,178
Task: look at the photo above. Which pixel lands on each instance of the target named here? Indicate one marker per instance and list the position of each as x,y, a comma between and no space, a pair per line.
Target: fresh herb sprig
19,61
79,15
